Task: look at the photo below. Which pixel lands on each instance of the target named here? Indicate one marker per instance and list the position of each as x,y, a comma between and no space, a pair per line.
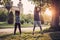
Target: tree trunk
8,17
55,16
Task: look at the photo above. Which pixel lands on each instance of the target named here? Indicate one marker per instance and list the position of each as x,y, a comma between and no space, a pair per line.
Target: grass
29,36
25,36
5,25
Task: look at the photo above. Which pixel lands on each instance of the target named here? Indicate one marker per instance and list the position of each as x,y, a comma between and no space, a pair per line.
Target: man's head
38,8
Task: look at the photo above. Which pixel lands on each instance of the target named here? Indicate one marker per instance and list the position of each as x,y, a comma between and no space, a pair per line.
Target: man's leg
15,28
39,24
34,27
19,27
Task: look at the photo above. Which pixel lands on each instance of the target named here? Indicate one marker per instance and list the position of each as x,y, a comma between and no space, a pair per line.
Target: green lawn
29,36
5,25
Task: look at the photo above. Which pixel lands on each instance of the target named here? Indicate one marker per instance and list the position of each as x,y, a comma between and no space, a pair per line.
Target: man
37,20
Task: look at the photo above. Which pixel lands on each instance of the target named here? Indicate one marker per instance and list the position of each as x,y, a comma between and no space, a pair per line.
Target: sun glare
48,12
27,6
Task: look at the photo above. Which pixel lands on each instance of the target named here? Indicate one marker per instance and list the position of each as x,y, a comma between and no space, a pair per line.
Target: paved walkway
11,30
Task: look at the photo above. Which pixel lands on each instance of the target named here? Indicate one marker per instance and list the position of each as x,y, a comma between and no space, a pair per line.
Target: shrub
3,17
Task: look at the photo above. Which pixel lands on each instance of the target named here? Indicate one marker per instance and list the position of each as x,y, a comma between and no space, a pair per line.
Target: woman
17,22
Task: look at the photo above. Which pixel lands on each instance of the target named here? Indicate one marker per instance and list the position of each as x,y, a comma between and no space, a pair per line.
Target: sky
27,6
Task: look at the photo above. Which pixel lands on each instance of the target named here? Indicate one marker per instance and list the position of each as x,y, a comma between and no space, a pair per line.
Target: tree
41,2
29,18
22,18
8,5
10,18
56,14
26,18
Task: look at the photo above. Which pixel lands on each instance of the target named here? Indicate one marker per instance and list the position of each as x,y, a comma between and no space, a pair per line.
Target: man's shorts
37,23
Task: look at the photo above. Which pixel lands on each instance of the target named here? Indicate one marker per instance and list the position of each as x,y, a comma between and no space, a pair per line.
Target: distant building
19,7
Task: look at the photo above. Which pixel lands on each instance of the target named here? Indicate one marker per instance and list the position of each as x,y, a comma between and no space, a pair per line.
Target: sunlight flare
48,12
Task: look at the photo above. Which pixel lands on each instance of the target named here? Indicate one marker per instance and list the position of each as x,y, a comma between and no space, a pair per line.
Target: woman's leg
19,27
15,28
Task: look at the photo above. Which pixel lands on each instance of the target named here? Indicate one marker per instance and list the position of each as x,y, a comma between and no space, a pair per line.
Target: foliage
29,18
3,16
8,5
26,18
4,2
22,16
22,21
41,2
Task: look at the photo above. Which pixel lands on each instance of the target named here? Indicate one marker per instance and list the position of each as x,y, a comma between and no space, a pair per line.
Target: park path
11,30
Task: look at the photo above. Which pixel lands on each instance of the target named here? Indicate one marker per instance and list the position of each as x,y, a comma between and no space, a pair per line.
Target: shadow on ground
2,37
24,36
55,35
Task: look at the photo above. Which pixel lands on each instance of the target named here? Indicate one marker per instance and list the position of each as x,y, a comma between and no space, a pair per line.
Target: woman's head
17,13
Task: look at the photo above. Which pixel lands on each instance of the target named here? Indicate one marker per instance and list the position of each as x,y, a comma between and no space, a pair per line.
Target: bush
3,17
26,18
22,21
